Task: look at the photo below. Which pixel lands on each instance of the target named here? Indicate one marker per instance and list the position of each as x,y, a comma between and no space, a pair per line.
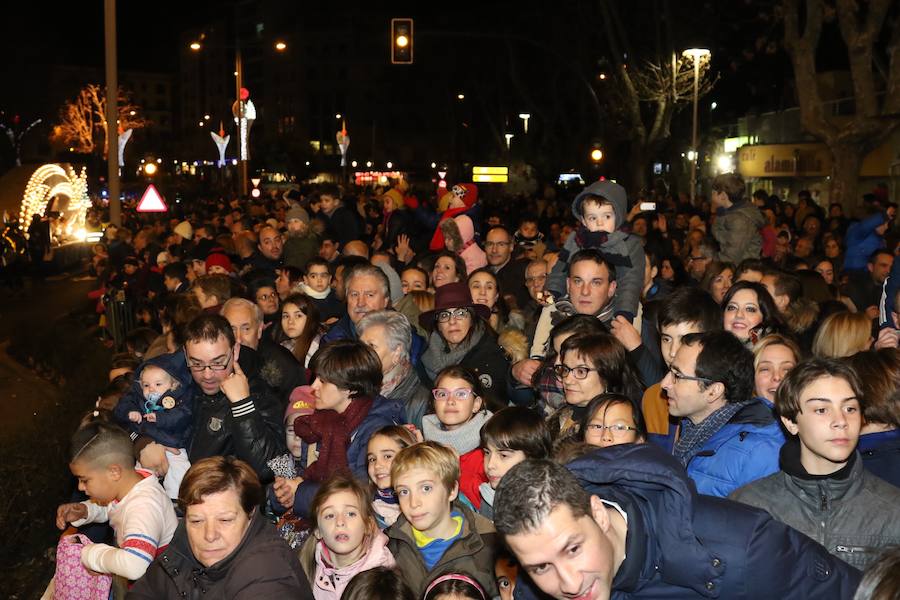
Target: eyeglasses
562,371
680,376
459,394
216,366
457,314
616,429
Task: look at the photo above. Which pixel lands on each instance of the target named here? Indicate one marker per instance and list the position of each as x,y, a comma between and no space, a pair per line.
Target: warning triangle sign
152,201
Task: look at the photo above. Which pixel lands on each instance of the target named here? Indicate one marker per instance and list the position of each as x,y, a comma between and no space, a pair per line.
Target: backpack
72,579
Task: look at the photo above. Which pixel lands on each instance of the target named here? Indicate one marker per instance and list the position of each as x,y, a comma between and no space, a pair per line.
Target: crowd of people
392,394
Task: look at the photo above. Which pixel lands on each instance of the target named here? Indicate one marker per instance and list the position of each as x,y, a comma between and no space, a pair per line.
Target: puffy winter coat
685,545
854,517
262,567
173,425
737,231
881,454
461,231
743,450
861,241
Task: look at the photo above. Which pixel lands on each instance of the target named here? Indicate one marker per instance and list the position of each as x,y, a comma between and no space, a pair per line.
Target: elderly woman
224,548
389,334
460,335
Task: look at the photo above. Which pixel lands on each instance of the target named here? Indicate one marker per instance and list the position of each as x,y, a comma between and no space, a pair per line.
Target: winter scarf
386,506
313,293
438,354
692,437
331,431
464,439
394,377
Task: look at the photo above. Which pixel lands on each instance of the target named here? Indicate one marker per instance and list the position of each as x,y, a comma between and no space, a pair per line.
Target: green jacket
472,553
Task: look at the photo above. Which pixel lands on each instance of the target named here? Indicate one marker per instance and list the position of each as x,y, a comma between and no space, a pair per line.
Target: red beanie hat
219,259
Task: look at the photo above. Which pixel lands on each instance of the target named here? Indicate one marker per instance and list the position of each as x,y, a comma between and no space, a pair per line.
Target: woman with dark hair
448,267
591,365
299,329
224,548
612,419
750,313
288,277
460,335
485,290
717,279
262,291
349,410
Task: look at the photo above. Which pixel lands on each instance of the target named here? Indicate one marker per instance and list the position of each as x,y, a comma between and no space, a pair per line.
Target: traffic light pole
239,83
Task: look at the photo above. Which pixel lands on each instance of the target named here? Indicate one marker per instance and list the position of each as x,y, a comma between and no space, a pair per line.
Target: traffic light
401,41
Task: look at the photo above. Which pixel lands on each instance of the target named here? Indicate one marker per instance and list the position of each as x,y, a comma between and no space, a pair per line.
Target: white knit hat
185,230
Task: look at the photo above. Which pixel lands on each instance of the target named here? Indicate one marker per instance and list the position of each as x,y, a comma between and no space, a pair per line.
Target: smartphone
648,205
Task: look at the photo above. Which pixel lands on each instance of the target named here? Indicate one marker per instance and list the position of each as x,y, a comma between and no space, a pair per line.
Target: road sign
152,201
490,174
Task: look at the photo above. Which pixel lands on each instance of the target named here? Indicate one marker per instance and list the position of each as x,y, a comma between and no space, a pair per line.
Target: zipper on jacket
855,549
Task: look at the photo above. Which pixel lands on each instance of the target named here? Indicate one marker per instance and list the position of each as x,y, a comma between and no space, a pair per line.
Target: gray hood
607,190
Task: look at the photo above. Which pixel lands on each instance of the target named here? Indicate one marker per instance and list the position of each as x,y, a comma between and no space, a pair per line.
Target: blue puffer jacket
684,545
173,425
862,240
383,412
743,450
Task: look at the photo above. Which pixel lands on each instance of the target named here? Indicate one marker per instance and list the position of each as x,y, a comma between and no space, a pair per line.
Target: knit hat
185,230
297,213
302,402
453,295
220,259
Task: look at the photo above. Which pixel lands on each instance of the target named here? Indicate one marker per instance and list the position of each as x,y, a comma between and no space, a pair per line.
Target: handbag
72,580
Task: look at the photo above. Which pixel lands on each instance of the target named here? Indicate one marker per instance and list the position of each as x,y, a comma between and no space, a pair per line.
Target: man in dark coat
235,412
626,522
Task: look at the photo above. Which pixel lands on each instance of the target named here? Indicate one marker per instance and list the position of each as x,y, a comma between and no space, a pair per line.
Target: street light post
112,113
239,83
696,54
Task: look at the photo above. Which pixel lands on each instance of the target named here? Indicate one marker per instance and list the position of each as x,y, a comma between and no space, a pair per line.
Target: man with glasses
235,412
698,260
510,271
726,438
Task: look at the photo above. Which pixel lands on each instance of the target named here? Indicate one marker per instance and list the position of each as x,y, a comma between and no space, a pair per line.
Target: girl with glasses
459,415
612,419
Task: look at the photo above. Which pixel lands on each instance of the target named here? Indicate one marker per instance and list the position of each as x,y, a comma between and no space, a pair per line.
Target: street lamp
525,117
509,138
460,96
696,55
280,46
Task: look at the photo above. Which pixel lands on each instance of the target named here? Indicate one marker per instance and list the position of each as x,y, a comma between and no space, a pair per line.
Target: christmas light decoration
56,181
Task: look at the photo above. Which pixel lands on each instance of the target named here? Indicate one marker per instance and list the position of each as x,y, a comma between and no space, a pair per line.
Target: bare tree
645,95
876,89
82,122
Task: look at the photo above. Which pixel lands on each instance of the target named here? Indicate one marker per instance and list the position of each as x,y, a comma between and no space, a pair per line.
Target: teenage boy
510,436
434,533
686,310
823,489
134,503
625,522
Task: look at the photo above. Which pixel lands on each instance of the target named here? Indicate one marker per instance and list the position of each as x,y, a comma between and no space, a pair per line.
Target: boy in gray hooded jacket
601,209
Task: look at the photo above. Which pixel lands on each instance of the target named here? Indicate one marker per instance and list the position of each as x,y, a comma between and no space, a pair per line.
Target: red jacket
472,475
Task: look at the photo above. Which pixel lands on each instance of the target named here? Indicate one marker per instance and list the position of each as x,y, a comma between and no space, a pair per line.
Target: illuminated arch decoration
58,188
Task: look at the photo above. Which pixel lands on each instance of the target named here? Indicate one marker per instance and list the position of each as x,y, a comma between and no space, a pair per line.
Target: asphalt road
25,397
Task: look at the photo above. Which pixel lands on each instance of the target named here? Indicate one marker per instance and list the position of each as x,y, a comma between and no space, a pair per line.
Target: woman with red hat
460,336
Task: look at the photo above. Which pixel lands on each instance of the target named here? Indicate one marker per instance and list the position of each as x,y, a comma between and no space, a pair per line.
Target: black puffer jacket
251,430
261,567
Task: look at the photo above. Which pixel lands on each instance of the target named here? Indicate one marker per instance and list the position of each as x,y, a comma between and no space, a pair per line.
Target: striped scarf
692,437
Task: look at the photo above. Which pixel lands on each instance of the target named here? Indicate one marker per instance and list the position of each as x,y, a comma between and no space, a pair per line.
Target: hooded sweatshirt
329,581
461,230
